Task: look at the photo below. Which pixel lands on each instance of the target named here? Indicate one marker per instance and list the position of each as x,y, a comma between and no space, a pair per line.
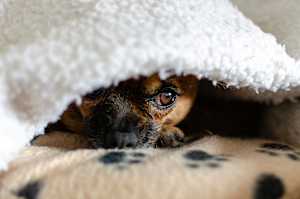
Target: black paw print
277,149
268,186
198,158
122,159
30,190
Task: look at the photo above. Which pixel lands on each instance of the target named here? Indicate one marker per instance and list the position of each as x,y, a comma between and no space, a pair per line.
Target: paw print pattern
277,149
122,159
277,146
198,158
30,190
268,186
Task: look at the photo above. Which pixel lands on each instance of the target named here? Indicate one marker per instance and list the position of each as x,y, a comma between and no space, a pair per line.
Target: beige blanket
213,167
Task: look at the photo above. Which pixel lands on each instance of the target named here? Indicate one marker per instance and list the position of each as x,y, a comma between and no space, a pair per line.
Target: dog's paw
170,136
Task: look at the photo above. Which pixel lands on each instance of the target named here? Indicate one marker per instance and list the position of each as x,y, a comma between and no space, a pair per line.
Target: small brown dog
136,113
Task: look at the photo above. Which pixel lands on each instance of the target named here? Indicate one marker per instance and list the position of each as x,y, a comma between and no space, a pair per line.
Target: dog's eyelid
161,90
167,86
170,89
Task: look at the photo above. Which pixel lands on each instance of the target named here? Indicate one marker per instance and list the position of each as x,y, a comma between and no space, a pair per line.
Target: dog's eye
165,98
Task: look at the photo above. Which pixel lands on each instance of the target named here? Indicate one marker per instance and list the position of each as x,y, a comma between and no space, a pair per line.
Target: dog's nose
124,133
126,139
121,140
128,124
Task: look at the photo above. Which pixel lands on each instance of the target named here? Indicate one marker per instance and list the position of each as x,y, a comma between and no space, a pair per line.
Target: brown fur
131,101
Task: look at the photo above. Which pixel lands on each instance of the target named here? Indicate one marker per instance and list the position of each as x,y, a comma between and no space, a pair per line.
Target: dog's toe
171,137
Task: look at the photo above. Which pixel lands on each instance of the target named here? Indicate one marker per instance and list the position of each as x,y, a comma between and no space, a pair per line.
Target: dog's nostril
126,140
130,145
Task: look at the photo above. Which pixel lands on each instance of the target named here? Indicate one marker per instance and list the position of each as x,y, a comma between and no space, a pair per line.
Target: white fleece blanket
53,51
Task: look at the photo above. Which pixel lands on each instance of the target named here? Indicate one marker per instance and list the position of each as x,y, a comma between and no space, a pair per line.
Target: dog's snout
124,133
125,140
119,139
128,124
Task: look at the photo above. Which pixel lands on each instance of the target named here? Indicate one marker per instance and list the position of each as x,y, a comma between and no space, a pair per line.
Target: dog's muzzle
124,133
112,129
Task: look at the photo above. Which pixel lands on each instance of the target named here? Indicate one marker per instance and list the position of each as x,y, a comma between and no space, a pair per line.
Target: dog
136,113
146,113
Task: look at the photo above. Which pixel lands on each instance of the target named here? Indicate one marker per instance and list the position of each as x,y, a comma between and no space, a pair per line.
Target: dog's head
131,114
